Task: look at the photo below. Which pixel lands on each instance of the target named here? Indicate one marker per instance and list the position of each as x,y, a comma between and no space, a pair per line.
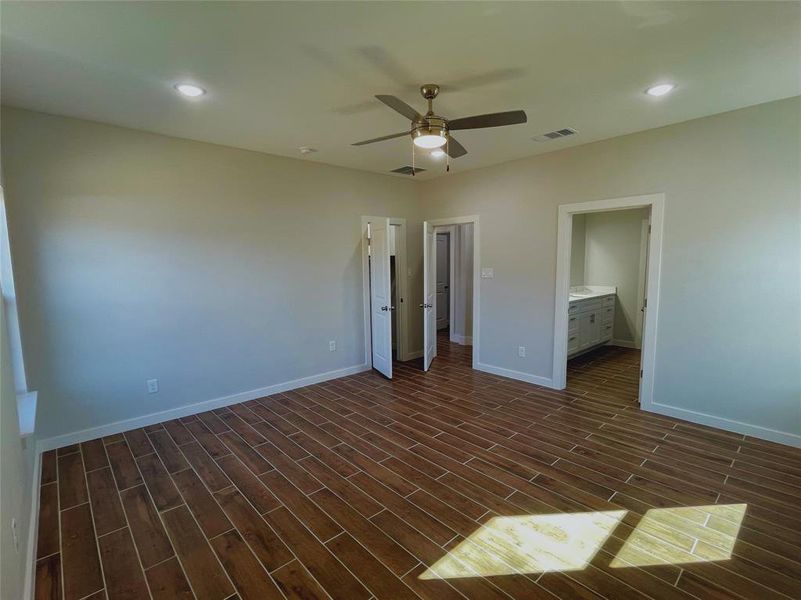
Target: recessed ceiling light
438,153
189,90
660,89
307,150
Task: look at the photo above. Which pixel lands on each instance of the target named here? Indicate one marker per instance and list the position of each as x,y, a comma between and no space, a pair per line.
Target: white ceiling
284,75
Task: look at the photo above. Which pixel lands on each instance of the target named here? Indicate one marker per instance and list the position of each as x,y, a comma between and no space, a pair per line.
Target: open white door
380,297
429,295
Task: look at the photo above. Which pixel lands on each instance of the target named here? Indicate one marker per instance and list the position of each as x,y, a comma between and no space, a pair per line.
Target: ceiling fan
432,131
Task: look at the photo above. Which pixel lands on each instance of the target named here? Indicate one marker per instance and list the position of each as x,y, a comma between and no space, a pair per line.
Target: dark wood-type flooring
351,489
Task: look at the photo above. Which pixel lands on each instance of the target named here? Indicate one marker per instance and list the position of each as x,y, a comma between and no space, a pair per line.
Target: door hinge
649,229
640,373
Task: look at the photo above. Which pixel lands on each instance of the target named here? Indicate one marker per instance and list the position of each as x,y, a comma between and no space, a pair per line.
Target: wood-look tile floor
363,488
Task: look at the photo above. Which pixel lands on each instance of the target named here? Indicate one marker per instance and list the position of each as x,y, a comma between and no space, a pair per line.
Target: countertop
586,292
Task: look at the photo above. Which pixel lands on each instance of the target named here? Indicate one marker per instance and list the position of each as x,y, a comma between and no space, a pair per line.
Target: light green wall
729,321
213,269
577,250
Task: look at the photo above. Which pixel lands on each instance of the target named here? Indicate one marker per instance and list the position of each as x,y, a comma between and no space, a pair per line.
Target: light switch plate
487,273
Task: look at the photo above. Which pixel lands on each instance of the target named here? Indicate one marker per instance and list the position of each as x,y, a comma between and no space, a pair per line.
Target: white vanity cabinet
590,322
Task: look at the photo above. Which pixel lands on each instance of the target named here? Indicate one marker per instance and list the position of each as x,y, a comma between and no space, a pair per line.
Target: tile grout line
92,518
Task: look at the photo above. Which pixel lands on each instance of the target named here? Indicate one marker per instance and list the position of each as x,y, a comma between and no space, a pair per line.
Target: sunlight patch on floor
670,536
528,544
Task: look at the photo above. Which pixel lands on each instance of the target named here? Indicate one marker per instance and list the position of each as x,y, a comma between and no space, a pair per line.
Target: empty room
396,300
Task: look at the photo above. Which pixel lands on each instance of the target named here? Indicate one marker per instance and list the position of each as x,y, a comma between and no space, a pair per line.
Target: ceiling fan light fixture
437,153
423,139
431,133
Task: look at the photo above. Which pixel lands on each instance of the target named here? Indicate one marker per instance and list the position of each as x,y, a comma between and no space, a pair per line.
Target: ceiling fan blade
382,138
400,106
512,117
454,148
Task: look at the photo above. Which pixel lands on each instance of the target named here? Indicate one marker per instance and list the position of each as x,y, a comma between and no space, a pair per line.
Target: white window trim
26,399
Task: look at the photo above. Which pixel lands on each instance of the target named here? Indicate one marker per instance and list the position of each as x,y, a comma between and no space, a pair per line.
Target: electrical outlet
332,346
15,534
521,351
152,386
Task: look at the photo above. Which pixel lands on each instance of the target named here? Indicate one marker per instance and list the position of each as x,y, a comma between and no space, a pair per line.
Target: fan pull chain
448,154
413,168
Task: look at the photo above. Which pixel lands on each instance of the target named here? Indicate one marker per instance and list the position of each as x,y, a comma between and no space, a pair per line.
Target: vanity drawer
589,305
572,323
608,314
573,308
572,342
606,331
608,300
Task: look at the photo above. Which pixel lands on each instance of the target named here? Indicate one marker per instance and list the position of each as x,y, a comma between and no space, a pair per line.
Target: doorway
607,295
385,285
450,289
443,279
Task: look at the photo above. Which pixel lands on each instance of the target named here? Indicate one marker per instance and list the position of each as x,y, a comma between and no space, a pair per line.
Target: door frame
402,281
656,202
642,277
474,219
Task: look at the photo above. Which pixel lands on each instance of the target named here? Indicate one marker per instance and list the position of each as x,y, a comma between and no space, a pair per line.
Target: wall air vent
555,135
407,170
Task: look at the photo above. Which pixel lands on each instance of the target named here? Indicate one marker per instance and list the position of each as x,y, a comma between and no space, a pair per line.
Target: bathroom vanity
590,317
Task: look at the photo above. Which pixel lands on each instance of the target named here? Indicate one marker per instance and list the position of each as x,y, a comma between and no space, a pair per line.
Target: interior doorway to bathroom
607,297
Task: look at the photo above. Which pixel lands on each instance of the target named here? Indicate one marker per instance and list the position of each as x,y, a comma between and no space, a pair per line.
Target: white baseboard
757,431
189,409
464,340
414,355
33,529
624,344
519,375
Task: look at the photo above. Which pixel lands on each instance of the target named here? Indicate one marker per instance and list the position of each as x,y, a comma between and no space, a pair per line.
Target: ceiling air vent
555,135
407,170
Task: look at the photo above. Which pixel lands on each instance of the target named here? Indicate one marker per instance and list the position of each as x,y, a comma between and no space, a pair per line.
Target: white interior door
429,295
443,280
380,297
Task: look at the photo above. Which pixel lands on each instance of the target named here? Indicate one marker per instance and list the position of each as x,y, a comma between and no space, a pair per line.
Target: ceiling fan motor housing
430,126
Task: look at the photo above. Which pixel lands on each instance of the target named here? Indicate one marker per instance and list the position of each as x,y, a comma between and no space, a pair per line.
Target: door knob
385,308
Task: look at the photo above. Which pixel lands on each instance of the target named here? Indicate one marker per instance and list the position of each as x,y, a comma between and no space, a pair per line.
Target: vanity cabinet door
589,329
